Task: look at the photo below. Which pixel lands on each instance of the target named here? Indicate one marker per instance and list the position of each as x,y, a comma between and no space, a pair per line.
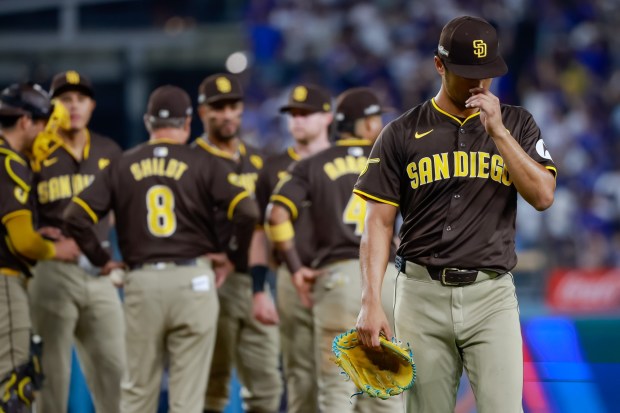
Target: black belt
190,262
455,277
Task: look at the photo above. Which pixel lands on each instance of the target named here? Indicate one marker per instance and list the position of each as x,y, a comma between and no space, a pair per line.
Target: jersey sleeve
84,212
15,178
530,139
263,192
226,196
96,199
293,188
380,179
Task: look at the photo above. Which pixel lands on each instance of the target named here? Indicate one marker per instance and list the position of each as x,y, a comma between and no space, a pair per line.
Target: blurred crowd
564,67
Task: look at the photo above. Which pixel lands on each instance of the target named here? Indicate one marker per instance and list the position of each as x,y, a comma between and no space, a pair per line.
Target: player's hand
66,250
303,280
116,271
51,233
264,309
371,322
222,267
490,110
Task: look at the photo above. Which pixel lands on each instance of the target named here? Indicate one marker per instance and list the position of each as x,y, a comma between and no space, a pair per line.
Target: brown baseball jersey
163,196
62,176
276,168
15,179
242,173
326,180
452,186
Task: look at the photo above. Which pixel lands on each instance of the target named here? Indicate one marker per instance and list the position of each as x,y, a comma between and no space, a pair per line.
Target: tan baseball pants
247,345
14,323
337,303
69,305
297,340
475,327
171,315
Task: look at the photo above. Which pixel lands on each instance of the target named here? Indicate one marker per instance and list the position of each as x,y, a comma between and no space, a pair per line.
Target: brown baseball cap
309,97
169,102
220,86
71,81
357,103
469,48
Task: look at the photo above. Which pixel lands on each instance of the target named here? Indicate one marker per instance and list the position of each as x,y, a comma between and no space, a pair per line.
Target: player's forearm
258,260
374,257
80,226
281,233
535,183
375,249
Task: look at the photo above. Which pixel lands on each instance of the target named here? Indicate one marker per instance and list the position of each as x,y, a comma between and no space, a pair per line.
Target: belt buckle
443,277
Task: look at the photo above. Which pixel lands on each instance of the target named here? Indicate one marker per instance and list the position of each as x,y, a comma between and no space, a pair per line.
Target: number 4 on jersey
355,213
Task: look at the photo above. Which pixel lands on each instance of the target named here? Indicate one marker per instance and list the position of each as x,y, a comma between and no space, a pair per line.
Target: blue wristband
259,275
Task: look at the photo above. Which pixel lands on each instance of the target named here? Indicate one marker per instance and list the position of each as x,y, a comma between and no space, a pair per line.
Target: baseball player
24,109
332,285
453,166
242,341
69,303
309,112
163,194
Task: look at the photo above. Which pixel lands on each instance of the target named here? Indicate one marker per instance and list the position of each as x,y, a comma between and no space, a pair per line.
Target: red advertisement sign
584,290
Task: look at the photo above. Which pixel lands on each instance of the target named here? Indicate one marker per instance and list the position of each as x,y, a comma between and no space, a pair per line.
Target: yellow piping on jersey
554,170
213,150
86,208
291,206
452,116
293,154
14,214
7,164
85,152
353,142
234,202
163,140
364,195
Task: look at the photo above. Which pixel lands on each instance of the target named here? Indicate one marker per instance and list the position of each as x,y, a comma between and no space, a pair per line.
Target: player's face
306,126
80,108
457,87
222,119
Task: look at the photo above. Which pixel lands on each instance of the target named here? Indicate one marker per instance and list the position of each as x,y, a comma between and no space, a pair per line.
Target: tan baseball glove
379,373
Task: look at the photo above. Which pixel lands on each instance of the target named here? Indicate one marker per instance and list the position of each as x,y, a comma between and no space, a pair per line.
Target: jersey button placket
461,133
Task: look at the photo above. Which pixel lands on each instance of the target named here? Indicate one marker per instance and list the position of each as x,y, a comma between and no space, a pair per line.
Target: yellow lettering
147,167
472,164
506,178
413,175
497,168
426,171
330,170
442,169
136,171
65,186
43,192
171,168
54,189
344,166
460,164
483,165
180,169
